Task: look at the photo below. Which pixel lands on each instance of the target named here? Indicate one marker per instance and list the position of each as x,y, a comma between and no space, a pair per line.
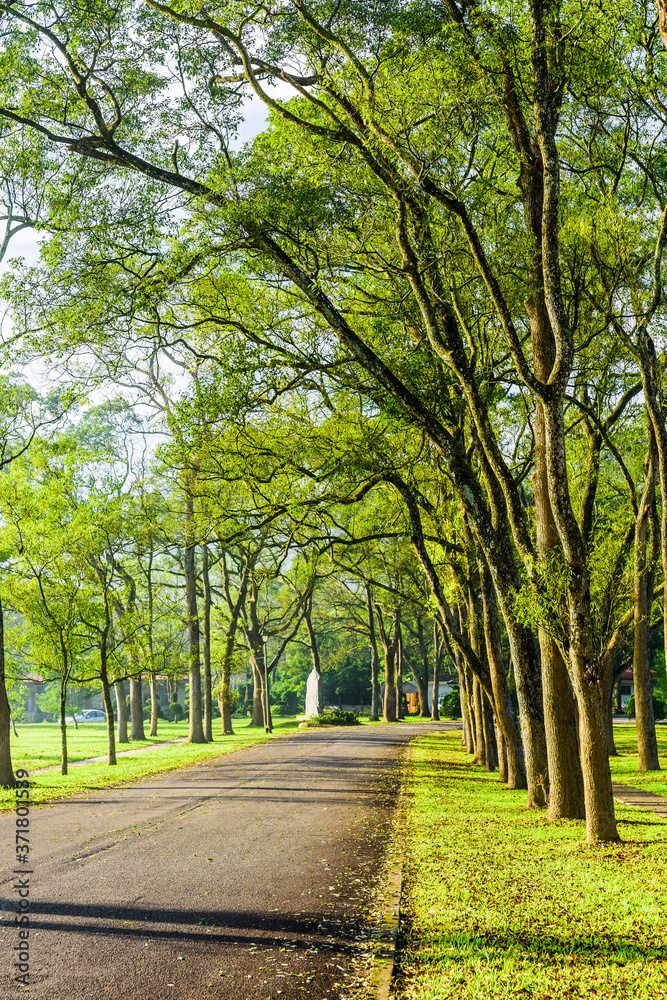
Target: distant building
626,686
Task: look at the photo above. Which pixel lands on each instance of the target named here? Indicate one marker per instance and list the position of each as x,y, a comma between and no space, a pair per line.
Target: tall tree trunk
375,680
489,735
121,709
152,676
108,703
225,689
389,713
648,368
125,615
466,707
235,608
503,773
480,744
196,729
502,702
154,703
7,778
246,693
600,818
421,673
607,689
398,666
257,718
564,780
63,724
261,679
459,662
136,708
389,646
644,574
584,665
438,645
501,559
206,650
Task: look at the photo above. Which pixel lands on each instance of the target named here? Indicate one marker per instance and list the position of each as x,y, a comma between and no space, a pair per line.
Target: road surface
247,877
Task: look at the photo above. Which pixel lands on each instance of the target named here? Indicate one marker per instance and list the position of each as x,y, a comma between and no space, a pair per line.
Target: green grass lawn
38,746
624,767
500,903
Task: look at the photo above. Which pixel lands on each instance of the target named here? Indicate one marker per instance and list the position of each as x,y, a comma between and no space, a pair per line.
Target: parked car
88,715
95,715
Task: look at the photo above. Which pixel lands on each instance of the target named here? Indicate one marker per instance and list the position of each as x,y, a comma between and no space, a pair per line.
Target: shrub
176,710
451,705
336,717
658,708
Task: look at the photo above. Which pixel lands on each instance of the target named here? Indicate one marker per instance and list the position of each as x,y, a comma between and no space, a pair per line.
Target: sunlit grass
624,767
38,745
33,750
500,903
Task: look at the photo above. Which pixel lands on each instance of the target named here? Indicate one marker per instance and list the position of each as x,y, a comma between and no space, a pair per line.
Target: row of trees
430,290
113,573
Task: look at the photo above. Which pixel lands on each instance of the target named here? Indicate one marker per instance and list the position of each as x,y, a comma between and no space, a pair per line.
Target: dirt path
247,877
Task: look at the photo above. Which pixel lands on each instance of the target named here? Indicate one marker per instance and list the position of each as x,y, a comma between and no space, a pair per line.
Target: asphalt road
248,877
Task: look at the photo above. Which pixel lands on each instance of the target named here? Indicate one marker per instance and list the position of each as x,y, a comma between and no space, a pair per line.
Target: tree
470,278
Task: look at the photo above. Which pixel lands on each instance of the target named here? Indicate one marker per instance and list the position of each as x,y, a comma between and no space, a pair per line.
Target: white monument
313,694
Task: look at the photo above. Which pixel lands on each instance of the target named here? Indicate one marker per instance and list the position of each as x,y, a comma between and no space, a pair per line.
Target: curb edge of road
385,944
384,951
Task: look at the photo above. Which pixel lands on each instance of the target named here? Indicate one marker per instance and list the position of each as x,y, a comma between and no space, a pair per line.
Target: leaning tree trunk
508,723
121,708
647,744
7,778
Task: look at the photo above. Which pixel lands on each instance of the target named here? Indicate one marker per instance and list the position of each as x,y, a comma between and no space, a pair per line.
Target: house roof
627,675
